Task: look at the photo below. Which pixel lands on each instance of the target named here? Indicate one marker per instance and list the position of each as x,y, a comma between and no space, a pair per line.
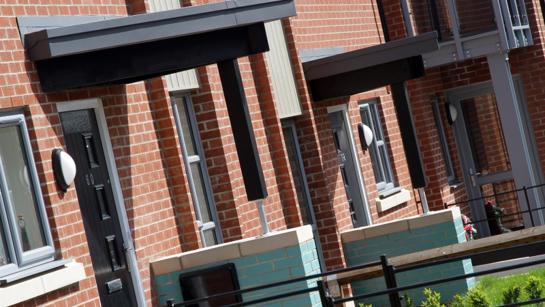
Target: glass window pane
200,192
483,125
20,190
4,256
186,128
378,150
377,128
375,161
210,237
385,164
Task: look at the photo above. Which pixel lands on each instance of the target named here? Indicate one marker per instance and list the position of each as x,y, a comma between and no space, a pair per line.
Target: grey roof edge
149,27
371,56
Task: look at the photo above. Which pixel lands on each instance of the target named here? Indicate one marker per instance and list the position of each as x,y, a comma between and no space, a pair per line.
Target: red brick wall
144,141
527,63
351,25
148,155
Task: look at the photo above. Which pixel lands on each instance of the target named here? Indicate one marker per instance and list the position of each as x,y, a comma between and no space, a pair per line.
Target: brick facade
148,156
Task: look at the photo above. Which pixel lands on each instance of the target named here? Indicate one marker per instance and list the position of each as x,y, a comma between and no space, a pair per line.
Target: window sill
25,289
394,200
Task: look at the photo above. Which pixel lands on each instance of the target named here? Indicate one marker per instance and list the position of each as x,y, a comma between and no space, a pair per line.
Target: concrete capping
18,292
232,250
406,224
392,201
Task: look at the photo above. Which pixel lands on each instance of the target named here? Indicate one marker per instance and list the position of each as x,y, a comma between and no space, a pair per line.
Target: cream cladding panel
283,81
185,80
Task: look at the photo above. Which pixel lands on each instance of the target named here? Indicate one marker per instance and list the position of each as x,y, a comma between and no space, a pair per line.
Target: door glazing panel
485,159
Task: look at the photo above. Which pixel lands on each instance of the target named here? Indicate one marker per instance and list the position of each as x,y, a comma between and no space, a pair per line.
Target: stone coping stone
232,250
400,225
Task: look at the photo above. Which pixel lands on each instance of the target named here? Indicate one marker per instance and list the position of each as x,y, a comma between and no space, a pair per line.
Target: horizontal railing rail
389,272
520,196
275,284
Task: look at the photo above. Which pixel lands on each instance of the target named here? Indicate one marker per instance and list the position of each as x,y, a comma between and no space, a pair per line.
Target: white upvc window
196,171
380,158
25,236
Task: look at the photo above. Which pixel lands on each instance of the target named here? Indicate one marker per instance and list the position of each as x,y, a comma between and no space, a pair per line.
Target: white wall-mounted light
452,113
64,168
366,135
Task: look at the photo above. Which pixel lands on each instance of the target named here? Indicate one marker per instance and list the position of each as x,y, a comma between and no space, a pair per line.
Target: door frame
96,105
454,96
343,108
289,123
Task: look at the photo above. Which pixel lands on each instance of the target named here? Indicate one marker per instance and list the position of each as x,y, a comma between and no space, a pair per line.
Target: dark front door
96,199
345,156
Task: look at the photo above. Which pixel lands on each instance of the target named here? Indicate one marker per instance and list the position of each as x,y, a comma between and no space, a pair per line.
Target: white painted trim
96,105
361,183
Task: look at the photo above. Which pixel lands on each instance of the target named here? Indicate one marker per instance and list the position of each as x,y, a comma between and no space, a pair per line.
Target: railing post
390,278
324,295
527,199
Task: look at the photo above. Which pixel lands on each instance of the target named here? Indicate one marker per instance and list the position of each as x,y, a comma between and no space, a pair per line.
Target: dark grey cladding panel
143,61
144,28
372,56
29,24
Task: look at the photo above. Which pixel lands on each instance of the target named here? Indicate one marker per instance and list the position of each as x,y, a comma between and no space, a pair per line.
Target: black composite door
348,169
96,199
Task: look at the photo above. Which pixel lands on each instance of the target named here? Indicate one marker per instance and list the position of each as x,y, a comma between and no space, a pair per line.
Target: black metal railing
389,272
510,203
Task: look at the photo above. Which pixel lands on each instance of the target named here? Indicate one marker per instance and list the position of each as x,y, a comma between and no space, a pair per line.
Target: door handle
473,176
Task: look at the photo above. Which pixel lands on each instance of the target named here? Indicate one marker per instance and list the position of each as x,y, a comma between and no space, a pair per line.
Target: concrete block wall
281,256
407,236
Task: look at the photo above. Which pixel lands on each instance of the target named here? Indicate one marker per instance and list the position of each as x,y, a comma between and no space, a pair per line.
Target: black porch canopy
135,48
128,49
362,70
369,68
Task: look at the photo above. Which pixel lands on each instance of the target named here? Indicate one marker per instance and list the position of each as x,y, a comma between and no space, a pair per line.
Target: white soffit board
185,80
279,64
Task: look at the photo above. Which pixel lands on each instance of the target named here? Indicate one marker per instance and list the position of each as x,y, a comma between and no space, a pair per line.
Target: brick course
148,155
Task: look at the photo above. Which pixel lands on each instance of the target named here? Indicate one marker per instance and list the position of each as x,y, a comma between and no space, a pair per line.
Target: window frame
443,141
385,167
21,260
290,131
197,158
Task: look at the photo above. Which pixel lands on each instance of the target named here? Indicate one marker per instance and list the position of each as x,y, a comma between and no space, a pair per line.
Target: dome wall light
452,113
366,135
64,168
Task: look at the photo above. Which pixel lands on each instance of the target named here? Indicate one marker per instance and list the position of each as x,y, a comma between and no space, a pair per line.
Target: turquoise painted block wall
395,244
277,265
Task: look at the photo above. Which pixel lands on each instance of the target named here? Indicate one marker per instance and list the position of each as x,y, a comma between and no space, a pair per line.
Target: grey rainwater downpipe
262,216
400,97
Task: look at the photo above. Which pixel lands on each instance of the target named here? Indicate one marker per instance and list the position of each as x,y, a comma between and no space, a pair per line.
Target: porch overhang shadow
392,63
139,47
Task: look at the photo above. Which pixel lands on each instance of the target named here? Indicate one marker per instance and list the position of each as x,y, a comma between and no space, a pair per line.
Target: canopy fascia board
143,61
145,28
368,68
